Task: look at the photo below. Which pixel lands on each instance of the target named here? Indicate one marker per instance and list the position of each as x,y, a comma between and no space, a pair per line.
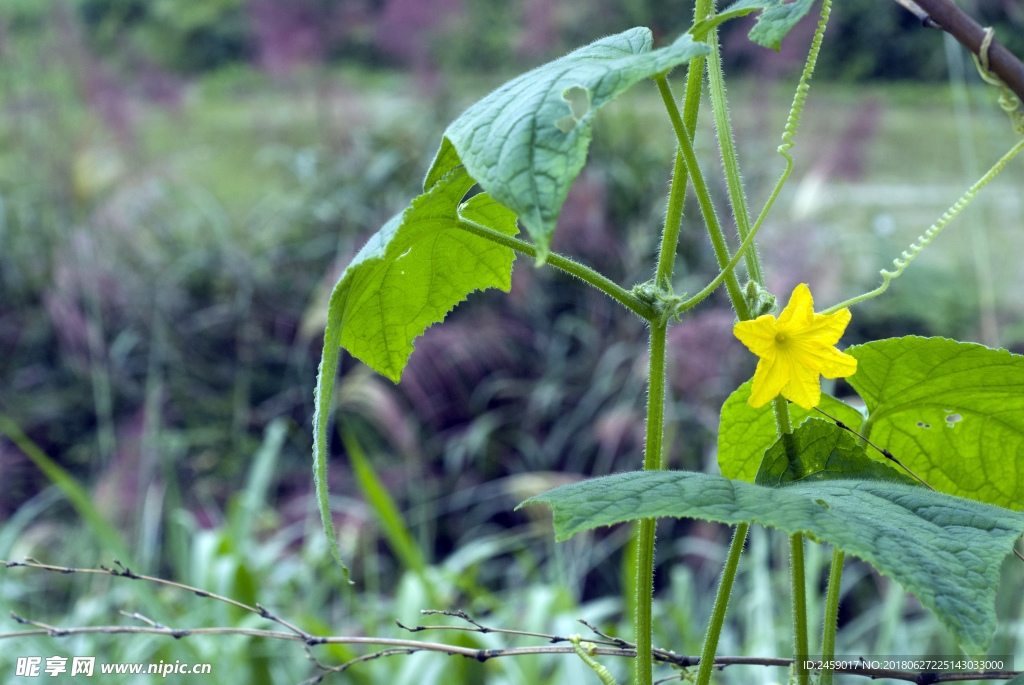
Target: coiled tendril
1010,104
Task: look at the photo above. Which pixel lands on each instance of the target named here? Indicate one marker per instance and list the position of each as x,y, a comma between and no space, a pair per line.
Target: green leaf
407,277
446,160
775,22
952,412
526,142
820,450
744,433
415,269
737,9
946,550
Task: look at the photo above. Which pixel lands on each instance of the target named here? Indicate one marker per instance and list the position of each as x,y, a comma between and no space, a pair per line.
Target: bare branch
139,617
954,21
617,641
479,628
348,664
124,572
392,647
410,646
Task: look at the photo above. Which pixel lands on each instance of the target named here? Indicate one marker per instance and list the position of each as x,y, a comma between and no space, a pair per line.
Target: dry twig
613,646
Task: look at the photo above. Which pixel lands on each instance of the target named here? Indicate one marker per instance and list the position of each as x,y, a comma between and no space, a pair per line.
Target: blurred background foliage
181,183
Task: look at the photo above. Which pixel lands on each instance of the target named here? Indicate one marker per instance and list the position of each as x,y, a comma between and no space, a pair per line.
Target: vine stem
780,406
707,207
653,450
707,655
653,461
723,274
828,637
677,190
730,162
726,264
573,268
799,586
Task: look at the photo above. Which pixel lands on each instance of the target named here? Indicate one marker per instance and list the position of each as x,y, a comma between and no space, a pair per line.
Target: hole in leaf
578,98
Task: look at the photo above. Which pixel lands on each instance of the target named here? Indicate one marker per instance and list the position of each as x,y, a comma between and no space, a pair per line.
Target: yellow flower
795,350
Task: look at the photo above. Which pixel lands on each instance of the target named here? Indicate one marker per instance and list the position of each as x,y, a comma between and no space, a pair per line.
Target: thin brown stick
617,641
477,627
394,647
124,572
480,628
327,670
410,646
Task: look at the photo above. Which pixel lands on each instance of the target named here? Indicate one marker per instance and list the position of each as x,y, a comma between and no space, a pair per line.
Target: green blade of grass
254,498
384,508
104,531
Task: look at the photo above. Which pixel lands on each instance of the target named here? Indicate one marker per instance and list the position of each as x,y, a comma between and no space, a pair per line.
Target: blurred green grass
163,268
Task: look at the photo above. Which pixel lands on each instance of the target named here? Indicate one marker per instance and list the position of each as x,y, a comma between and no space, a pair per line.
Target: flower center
780,337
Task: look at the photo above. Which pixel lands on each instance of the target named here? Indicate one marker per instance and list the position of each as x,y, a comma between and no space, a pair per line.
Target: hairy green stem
707,655
727,147
673,224
584,273
799,590
710,287
643,671
828,637
653,452
704,199
653,461
731,165
684,127
677,191
781,408
653,457
798,584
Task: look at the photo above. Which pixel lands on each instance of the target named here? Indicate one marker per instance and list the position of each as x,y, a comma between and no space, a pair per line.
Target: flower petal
800,309
804,387
769,378
826,328
835,364
758,335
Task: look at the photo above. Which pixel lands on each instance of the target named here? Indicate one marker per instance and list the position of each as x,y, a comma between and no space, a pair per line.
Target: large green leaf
820,450
408,276
946,550
415,269
526,141
775,22
744,433
952,412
